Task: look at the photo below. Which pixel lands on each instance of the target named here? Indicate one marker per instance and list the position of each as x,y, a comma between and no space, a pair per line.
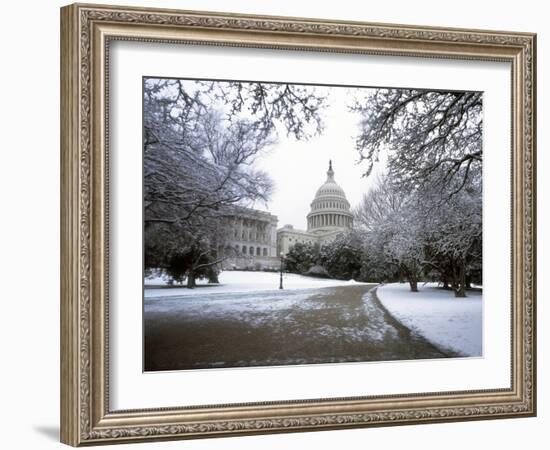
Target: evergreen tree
302,257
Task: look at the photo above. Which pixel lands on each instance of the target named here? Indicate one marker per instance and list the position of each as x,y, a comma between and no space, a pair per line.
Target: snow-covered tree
430,136
200,142
380,201
342,258
301,257
296,107
189,190
424,215
404,247
416,235
454,239
392,225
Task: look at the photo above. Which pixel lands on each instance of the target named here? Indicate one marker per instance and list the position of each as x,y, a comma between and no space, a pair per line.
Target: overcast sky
299,168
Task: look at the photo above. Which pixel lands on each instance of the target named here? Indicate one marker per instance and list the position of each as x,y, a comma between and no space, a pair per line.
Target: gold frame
86,31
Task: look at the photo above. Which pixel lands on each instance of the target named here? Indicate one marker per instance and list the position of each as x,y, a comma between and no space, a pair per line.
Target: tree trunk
460,292
455,279
400,275
191,280
413,283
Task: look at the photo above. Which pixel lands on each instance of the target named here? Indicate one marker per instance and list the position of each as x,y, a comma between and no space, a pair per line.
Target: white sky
298,168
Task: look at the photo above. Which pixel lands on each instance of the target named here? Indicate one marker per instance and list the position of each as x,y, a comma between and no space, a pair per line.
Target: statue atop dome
330,172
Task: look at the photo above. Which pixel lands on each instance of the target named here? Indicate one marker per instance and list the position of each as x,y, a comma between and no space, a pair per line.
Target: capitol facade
258,244
328,217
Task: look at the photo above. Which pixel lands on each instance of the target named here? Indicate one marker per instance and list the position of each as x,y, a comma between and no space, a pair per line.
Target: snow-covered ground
244,306
241,281
275,327
436,314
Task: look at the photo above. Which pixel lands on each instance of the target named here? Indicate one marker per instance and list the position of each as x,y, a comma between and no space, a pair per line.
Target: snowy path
260,328
450,323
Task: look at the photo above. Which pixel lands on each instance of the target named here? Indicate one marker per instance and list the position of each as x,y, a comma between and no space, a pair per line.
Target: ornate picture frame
87,32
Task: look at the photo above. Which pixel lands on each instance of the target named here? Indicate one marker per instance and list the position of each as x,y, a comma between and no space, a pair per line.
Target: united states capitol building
257,243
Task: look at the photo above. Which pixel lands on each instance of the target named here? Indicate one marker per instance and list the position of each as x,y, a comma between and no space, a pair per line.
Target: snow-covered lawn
241,281
448,322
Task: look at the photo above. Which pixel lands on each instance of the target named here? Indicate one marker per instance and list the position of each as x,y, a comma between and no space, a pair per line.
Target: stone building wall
252,240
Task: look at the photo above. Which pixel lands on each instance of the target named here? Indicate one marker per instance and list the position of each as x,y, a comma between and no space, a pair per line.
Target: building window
244,250
258,251
251,251
265,251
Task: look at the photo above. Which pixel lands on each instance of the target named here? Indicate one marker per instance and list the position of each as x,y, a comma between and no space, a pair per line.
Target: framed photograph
276,224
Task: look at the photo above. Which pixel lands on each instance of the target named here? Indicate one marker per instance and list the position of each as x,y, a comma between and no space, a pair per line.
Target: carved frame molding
86,31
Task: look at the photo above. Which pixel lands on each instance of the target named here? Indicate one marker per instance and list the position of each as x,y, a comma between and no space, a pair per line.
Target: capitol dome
330,209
